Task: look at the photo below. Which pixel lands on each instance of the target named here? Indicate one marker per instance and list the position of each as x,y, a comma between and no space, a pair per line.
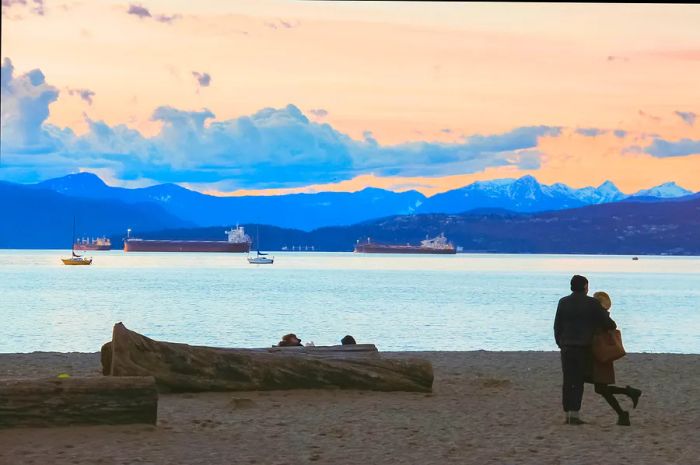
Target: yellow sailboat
75,259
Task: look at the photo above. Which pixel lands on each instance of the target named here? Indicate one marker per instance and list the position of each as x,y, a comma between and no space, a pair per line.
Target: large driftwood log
76,401
181,367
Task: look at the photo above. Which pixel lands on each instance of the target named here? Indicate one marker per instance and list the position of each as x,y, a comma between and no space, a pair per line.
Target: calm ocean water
462,302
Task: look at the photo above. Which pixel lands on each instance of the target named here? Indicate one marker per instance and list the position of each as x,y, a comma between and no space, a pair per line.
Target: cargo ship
100,243
238,242
436,245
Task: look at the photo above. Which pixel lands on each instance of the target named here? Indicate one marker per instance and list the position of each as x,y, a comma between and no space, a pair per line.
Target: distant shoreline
464,252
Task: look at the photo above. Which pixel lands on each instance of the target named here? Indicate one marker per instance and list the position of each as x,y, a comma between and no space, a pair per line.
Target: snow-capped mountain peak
664,191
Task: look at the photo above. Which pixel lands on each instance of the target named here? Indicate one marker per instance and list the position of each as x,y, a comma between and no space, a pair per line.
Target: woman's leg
617,390
629,391
607,392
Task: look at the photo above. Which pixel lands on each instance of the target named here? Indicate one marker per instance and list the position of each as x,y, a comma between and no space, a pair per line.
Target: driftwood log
78,401
184,368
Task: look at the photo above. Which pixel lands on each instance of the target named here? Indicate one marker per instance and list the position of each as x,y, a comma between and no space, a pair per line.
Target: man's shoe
623,419
634,394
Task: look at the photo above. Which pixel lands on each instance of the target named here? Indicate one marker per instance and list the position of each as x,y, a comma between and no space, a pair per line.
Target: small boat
635,258
260,258
76,259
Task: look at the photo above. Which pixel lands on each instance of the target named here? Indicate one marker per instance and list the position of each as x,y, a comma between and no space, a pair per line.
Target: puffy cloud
319,112
474,154
644,114
661,148
281,24
166,19
85,94
274,147
35,6
687,116
590,132
143,12
25,107
519,138
203,79
138,10
620,133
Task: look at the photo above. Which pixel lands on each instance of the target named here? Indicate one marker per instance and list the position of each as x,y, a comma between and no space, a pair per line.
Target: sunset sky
251,97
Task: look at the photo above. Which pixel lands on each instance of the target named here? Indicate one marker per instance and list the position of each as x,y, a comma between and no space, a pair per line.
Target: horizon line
242,192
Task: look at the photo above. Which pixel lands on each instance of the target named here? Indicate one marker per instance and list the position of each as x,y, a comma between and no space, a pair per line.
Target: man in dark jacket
578,317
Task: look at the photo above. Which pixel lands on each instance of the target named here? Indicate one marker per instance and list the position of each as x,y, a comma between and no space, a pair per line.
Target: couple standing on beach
578,319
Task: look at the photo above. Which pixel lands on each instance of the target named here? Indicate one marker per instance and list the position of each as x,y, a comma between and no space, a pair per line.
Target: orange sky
404,71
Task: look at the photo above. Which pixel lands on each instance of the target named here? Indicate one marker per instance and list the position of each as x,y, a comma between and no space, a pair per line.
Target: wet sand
486,408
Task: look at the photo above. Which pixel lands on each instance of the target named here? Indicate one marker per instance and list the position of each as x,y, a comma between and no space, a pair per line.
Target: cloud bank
274,147
662,148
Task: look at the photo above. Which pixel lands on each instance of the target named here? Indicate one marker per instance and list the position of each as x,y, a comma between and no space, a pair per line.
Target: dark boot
623,419
633,394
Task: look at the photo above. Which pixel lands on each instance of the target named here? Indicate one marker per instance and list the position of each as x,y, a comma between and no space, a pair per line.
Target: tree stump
78,401
183,368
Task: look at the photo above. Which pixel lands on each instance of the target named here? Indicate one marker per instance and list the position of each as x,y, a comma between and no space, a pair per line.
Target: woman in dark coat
603,377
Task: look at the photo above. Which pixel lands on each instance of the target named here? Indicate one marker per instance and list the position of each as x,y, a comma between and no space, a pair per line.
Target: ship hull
131,245
77,262
91,247
402,249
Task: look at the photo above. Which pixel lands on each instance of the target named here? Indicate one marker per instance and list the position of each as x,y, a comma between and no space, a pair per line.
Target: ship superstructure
99,243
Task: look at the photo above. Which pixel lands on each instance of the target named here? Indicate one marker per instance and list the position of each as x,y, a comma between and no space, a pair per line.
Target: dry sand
486,408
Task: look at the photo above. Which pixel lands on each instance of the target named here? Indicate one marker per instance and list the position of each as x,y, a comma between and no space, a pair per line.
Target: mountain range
302,211
667,227
310,211
40,218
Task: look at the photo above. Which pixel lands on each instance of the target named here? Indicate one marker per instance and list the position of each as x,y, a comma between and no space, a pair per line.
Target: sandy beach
486,408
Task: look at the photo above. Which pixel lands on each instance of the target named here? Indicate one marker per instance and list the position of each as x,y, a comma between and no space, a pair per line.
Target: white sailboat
260,258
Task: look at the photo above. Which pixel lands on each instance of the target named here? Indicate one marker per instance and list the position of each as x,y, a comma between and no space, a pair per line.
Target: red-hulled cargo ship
436,245
238,242
100,243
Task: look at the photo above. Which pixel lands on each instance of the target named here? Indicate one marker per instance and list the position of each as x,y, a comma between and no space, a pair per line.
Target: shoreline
350,252
382,352
485,408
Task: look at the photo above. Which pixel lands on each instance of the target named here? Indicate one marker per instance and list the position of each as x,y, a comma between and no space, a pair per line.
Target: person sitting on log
348,340
289,340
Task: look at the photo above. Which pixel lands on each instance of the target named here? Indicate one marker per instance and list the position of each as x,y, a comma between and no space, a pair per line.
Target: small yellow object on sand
64,375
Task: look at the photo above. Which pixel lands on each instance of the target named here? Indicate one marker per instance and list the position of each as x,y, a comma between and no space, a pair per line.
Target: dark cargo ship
436,245
238,242
100,243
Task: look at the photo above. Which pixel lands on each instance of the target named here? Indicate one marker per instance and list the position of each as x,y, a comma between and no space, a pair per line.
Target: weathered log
78,401
368,350
184,368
